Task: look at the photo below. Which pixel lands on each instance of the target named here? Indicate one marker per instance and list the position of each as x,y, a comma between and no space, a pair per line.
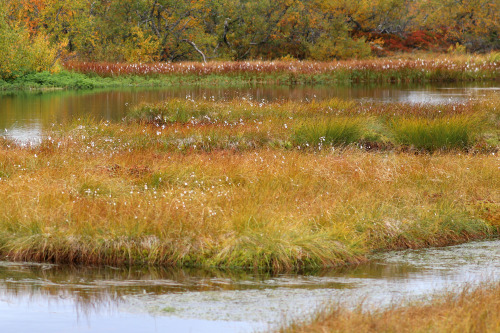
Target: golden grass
229,184
91,195
472,310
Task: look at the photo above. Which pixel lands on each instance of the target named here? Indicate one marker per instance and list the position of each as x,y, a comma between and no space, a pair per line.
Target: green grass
72,80
337,131
244,124
445,133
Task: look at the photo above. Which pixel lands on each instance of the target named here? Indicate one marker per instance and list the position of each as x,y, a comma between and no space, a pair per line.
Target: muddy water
40,297
25,116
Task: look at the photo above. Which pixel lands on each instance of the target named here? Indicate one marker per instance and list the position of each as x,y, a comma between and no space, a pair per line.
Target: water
42,297
24,116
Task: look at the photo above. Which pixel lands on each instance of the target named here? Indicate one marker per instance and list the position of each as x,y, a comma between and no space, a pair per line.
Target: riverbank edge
71,80
48,252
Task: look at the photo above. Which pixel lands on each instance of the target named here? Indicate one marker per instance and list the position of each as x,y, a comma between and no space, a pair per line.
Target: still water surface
25,116
41,297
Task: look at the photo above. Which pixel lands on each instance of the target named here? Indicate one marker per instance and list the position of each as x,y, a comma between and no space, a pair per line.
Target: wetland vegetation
422,68
472,310
272,186
249,184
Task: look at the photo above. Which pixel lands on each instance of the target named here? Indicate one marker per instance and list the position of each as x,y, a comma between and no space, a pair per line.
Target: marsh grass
228,184
455,132
242,124
126,203
90,75
471,310
338,131
441,68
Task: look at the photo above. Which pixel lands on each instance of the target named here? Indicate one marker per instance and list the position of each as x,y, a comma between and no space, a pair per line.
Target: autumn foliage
171,31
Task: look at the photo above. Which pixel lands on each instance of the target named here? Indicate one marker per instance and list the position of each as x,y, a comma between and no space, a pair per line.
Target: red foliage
426,40
415,40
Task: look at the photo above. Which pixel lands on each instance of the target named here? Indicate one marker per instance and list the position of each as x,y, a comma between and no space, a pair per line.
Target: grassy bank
441,68
436,69
72,80
472,310
116,193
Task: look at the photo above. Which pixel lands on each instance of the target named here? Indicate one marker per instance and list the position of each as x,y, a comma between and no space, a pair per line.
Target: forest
35,34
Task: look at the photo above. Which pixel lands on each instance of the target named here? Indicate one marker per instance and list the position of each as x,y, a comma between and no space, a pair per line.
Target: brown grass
221,184
472,310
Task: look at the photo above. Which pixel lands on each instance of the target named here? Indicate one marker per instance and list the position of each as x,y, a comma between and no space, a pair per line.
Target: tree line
202,30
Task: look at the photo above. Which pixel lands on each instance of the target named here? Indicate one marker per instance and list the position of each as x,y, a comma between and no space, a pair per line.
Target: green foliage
494,57
457,49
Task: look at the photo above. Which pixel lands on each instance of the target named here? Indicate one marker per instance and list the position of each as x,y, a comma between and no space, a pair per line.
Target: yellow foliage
140,47
457,49
21,54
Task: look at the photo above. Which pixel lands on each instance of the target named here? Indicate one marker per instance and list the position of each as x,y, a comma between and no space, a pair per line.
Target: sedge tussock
181,125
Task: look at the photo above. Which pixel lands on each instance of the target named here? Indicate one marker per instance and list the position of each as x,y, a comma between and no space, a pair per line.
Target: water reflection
24,115
215,300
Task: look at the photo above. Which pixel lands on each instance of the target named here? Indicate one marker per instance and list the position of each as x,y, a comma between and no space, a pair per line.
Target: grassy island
281,186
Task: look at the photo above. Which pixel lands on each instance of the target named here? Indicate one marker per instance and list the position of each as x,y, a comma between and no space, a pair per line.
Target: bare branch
196,48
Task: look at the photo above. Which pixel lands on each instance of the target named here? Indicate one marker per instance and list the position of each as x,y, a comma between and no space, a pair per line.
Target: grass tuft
455,132
338,131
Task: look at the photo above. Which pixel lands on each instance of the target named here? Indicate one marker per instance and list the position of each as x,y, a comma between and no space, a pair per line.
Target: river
54,298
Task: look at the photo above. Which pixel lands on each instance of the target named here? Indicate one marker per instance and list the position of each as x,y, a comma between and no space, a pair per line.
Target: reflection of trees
95,285
103,284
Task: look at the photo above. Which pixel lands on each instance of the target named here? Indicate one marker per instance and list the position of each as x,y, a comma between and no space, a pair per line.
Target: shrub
21,54
340,48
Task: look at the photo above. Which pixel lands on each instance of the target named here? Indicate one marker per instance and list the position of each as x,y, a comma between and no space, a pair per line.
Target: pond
43,297
24,116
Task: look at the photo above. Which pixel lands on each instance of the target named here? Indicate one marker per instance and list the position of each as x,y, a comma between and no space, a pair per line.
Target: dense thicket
174,30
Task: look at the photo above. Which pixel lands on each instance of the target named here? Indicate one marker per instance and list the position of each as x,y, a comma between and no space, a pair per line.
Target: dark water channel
43,298
25,116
